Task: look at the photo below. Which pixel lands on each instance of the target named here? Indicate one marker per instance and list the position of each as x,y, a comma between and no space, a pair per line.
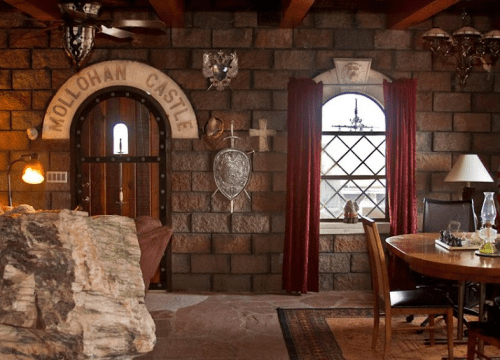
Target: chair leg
449,333
376,324
388,333
431,330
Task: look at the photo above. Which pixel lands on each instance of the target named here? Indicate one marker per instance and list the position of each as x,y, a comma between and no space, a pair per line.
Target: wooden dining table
428,258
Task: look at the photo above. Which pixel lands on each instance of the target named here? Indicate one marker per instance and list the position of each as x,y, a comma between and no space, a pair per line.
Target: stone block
279,180
250,223
232,38
245,19
313,38
5,79
424,101
203,181
273,38
190,243
276,119
60,76
190,202
267,243
324,58
255,59
433,81
429,161
191,282
241,119
5,120
31,79
191,38
141,55
353,40
181,263
181,181
422,181
477,82
50,58
188,161
326,243
269,202
293,59
181,222
432,121
232,243
60,200
280,100
360,263
15,100
392,39
496,123
334,263
242,81
451,141
259,181
276,263
188,79
251,99
41,99
211,100
222,204
472,122
212,19
486,143
231,283
170,58
269,162
60,161
250,264
267,283
488,102
209,263
15,59
13,140
381,60
210,223
325,282
350,282
453,102
21,120
152,41
439,185
413,60
334,19
277,223
367,20
350,243
271,79
424,141
182,145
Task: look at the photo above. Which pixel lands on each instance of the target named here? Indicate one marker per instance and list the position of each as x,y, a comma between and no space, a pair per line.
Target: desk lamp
468,168
32,171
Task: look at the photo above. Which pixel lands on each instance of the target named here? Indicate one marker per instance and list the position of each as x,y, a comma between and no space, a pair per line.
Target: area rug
346,334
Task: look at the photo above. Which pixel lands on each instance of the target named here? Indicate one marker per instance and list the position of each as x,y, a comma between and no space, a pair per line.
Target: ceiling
401,14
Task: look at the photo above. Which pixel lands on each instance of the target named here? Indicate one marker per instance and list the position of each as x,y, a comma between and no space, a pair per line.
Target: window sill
340,228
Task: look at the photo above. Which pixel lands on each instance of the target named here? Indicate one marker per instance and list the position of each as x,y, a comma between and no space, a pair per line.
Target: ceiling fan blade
112,31
152,24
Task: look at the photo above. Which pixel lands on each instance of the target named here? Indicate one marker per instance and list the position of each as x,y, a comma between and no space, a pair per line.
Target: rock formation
71,287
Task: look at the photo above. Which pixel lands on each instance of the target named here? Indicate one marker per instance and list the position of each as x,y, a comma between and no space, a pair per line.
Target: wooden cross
262,132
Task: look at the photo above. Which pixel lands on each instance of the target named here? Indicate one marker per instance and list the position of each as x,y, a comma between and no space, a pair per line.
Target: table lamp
468,168
32,171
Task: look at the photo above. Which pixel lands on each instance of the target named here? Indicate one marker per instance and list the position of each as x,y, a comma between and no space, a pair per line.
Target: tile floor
234,326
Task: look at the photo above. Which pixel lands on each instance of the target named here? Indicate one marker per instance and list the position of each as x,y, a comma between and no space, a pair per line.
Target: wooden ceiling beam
171,12
294,12
403,14
45,10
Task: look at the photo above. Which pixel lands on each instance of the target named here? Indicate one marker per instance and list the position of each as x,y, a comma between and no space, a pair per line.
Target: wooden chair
425,301
486,332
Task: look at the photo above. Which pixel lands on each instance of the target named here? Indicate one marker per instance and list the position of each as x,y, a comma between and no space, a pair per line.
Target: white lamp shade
468,168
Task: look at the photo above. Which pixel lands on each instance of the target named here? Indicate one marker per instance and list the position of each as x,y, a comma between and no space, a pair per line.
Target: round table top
428,258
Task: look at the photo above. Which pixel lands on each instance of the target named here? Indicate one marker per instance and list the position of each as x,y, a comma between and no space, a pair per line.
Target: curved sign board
67,100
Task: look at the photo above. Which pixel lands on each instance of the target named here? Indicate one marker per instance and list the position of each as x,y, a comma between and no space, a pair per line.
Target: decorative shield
231,172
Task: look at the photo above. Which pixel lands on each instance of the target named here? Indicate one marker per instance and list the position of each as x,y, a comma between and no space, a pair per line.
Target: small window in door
120,139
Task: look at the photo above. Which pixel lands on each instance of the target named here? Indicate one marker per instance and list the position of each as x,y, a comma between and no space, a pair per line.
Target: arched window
353,163
120,139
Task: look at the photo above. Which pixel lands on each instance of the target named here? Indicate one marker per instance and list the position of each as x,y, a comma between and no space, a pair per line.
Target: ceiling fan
81,24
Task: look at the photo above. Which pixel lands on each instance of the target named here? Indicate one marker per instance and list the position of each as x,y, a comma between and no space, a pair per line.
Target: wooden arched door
123,172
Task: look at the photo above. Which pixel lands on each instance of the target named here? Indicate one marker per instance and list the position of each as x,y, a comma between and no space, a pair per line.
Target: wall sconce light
32,171
466,45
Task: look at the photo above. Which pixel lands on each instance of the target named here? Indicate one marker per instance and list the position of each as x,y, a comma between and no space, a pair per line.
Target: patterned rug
346,334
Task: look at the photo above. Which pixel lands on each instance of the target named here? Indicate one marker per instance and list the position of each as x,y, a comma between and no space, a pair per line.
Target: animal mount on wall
220,69
231,171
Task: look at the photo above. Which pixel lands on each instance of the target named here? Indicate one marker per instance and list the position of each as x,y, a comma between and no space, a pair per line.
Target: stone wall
212,248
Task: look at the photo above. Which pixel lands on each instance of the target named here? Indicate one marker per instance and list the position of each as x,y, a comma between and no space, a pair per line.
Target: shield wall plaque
231,172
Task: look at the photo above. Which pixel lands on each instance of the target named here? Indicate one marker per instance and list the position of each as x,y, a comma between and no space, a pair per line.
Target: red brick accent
456,102
452,141
268,202
249,264
194,38
313,38
431,121
190,243
273,38
208,263
232,244
472,122
232,38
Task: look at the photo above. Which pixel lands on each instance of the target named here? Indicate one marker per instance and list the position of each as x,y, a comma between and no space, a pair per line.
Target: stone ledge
336,228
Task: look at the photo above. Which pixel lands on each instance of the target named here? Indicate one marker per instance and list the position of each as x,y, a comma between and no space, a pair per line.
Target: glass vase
488,215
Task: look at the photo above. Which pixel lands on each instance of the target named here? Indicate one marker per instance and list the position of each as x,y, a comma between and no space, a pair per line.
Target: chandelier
467,45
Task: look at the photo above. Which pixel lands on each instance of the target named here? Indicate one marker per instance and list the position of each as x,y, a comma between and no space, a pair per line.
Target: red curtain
400,107
301,252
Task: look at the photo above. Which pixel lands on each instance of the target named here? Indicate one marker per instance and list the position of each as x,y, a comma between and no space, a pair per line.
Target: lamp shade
468,168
